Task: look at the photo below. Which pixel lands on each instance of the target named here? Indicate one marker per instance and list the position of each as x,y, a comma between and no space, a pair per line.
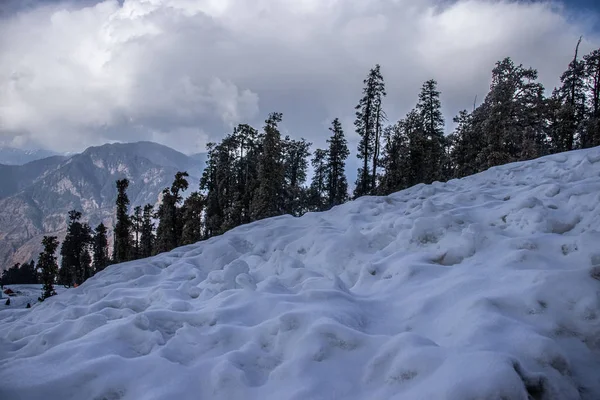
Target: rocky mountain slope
35,197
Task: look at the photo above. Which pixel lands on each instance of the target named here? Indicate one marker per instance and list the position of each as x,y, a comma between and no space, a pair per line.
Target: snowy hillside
481,288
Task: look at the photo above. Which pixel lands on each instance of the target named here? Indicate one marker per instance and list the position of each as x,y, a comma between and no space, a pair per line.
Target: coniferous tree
335,180
29,273
180,185
250,149
74,264
20,274
85,262
214,212
414,130
395,159
430,110
553,127
192,217
11,276
101,258
380,117
591,135
368,123
147,238
448,167
268,199
122,234
513,122
136,230
468,142
317,193
295,164
164,232
48,266
230,181
170,223
226,186
571,98
33,272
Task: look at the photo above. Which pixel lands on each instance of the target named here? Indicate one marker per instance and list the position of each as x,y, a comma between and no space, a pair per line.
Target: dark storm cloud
184,72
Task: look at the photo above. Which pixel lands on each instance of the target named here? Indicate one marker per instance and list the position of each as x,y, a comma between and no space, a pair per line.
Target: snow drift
480,288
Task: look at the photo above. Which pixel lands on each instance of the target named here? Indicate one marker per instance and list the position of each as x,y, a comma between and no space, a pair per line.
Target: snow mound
481,288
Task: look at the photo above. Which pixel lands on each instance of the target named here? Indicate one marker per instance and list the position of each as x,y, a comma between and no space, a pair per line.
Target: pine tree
553,126
430,110
166,215
147,238
11,276
230,180
73,249
468,142
335,181
30,273
170,225
268,199
368,123
414,129
380,117
85,262
317,193
226,186
513,122
214,212
395,159
136,229
180,185
48,266
20,274
100,249
192,217
250,148
295,164
591,136
572,110
448,167
122,233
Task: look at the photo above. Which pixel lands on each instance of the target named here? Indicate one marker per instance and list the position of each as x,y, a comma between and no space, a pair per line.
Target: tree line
20,274
255,174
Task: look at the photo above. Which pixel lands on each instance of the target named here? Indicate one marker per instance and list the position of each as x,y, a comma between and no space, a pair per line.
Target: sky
184,72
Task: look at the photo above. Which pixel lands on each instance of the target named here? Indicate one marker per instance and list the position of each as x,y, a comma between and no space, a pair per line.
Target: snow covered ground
24,294
480,288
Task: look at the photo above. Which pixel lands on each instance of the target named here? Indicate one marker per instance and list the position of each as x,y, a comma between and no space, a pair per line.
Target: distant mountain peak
14,156
36,197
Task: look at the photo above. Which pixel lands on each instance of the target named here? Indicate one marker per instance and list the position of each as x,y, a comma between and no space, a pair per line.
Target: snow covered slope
23,294
481,288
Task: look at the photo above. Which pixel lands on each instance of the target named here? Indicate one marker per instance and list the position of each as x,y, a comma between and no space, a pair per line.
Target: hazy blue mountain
36,197
200,157
12,156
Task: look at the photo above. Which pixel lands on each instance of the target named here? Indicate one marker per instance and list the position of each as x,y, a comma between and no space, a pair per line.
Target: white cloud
183,71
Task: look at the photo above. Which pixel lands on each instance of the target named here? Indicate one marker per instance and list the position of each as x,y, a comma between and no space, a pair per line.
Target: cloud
183,72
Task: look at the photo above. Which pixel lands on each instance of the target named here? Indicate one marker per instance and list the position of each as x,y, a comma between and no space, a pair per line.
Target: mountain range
12,156
35,197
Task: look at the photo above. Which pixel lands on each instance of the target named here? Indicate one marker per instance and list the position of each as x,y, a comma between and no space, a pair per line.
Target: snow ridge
479,288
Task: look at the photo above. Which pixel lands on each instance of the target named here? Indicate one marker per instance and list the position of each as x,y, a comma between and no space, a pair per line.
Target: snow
65,185
24,294
480,288
98,162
